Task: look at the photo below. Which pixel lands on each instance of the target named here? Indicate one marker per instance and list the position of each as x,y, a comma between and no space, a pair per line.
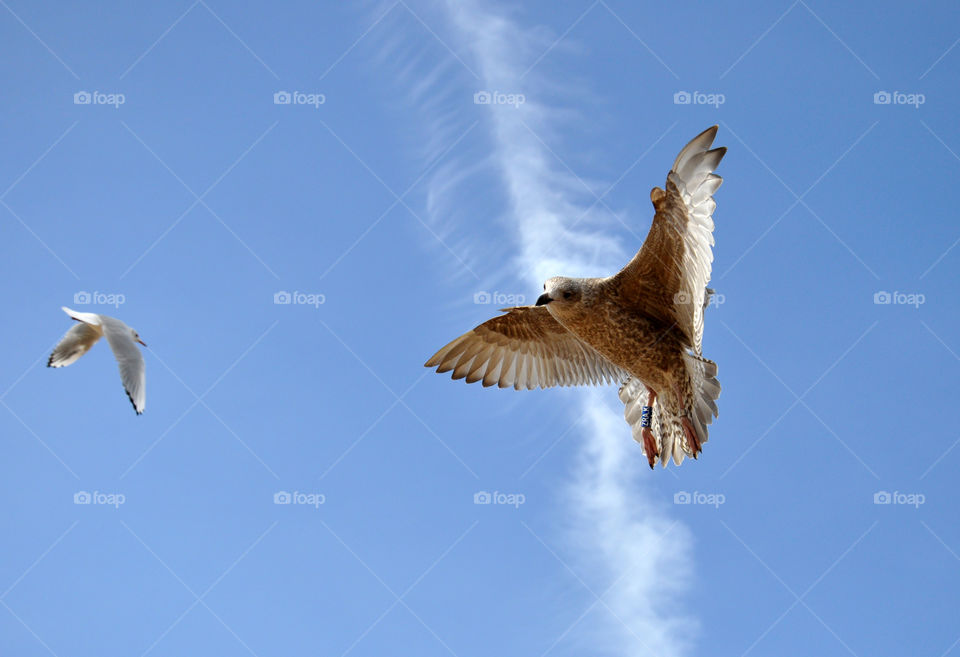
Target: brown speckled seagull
642,327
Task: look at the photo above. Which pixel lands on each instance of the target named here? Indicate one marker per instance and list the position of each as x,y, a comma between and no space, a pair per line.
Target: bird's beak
544,299
141,342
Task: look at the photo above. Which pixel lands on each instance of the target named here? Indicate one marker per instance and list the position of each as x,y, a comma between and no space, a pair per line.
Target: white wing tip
699,144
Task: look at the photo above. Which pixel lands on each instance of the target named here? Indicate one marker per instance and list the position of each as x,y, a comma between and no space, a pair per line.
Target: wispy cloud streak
622,533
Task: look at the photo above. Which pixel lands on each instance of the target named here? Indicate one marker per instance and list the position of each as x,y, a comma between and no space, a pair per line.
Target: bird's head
136,337
562,295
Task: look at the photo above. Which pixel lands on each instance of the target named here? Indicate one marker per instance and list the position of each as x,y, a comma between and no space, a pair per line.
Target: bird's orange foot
649,446
692,441
649,441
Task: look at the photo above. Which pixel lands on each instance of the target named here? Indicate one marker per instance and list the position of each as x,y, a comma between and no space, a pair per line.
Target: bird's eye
567,295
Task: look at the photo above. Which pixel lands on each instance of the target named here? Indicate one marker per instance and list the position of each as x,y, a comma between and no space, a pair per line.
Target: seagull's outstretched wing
525,348
75,343
132,370
87,318
668,275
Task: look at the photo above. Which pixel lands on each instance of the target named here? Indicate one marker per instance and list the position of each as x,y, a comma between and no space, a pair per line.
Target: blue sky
183,199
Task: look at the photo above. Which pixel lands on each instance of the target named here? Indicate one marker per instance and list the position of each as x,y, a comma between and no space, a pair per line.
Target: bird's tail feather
706,390
666,429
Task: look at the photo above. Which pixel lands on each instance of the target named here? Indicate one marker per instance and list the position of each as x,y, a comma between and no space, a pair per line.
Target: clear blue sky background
828,397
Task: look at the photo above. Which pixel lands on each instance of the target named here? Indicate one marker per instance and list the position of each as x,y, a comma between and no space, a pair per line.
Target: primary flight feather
642,327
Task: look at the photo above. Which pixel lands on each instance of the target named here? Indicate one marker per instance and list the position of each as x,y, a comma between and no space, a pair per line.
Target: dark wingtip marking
133,403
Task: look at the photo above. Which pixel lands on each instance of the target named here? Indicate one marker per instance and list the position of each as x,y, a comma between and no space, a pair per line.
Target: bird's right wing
75,343
525,348
668,276
130,360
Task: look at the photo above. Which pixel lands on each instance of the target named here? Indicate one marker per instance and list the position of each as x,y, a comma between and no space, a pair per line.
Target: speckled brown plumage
642,327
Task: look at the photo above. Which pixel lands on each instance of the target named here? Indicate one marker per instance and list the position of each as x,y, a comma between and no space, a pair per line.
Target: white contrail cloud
621,532
618,535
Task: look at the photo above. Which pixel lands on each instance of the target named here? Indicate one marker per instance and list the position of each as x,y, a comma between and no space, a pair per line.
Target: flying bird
121,338
641,328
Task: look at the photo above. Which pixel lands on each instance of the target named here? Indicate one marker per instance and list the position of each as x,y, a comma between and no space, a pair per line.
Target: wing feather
524,348
668,276
74,344
129,360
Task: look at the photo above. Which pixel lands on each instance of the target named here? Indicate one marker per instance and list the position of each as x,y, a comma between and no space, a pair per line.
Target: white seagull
78,340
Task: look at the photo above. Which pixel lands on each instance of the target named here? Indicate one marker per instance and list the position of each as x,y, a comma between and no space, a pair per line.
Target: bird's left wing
668,276
87,318
129,359
525,348
75,343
